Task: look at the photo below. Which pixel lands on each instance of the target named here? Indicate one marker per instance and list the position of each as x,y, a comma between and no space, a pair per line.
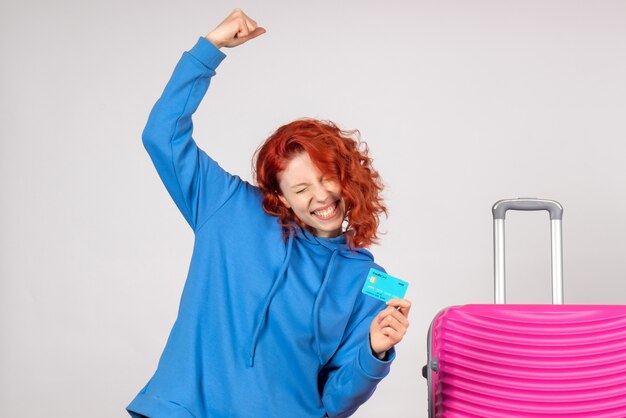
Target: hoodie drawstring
279,279
316,306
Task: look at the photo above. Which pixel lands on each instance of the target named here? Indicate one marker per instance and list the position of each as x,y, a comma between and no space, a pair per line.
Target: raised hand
236,29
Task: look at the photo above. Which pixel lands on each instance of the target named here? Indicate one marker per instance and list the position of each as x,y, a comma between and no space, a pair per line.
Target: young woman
272,321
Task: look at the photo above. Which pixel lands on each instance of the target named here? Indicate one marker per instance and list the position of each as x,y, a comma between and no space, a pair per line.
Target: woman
272,321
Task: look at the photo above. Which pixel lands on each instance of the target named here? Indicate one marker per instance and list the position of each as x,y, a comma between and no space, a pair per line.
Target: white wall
462,103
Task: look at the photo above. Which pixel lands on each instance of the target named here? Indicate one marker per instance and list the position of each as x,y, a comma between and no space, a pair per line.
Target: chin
328,231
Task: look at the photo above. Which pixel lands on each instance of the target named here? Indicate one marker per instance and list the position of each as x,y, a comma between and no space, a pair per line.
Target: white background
462,103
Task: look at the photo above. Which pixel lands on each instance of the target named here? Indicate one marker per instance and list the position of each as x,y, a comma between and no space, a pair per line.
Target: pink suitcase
505,361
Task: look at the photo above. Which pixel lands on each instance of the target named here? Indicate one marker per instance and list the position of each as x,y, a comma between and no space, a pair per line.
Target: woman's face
316,201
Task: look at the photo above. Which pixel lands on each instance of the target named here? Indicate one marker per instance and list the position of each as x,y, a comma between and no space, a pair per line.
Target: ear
282,199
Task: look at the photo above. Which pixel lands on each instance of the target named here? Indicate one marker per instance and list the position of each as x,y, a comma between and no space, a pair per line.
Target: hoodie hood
338,243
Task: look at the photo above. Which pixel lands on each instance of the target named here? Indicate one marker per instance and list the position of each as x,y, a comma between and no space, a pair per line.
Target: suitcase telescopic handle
556,214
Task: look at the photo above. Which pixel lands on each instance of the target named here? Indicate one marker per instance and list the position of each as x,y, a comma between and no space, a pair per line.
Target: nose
321,193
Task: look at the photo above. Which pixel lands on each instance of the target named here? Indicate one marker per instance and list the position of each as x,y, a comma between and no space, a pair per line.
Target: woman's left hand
389,326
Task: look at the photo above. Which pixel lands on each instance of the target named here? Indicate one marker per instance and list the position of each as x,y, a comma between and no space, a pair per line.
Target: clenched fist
236,29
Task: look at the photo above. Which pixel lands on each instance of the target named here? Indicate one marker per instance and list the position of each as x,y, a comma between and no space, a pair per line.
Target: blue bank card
382,286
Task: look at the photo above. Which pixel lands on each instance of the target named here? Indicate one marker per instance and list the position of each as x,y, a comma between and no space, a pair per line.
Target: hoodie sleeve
198,185
350,377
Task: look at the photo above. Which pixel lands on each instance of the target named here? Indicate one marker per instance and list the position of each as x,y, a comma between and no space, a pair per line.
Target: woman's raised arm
196,183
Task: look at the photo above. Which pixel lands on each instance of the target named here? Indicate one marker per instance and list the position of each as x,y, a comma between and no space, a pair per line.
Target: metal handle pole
499,213
498,257
557,261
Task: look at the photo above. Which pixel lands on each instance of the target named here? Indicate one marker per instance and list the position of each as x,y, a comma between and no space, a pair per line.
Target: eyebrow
296,186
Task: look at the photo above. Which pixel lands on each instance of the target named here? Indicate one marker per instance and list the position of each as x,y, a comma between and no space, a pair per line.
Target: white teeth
325,213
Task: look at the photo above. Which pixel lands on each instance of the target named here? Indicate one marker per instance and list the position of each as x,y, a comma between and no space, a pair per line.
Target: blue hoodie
267,326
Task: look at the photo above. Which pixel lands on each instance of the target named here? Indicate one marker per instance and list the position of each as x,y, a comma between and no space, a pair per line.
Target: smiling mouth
326,212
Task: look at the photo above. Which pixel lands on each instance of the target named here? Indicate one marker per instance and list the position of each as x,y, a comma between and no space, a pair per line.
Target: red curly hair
340,156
